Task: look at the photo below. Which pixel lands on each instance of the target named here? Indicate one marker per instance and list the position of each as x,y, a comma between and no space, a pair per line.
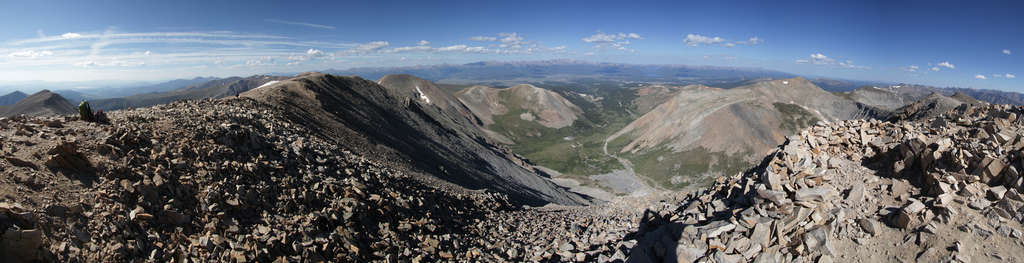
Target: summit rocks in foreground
939,190
237,180
214,181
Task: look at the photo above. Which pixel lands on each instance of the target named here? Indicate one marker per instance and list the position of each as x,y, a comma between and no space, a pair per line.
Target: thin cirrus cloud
294,23
500,43
1007,75
162,49
694,40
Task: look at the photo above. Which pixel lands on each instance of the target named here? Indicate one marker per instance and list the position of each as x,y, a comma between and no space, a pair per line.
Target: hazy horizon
942,43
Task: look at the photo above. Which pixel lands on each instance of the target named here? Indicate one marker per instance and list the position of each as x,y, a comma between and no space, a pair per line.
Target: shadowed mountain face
41,103
932,106
12,98
409,121
213,89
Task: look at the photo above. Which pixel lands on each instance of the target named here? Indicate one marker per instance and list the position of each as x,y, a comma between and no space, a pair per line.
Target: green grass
581,156
794,117
695,166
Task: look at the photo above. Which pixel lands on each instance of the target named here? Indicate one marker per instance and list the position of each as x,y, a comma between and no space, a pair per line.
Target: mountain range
547,170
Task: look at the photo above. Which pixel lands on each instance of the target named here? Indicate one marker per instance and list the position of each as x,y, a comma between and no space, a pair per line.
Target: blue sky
965,44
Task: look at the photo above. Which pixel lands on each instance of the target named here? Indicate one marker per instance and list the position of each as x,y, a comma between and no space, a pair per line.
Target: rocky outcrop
847,191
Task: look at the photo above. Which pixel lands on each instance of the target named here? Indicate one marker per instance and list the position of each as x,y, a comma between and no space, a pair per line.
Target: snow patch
422,96
272,82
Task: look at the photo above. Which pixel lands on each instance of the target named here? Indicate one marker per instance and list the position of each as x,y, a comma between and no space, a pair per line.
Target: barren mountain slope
12,98
545,107
939,190
41,103
888,98
703,130
411,130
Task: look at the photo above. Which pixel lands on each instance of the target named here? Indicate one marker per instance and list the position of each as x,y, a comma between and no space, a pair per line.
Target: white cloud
311,53
936,69
483,38
694,40
610,38
1010,76
86,64
817,59
946,64
453,48
423,43
31,54
315,53
511,38
285,22
979,76
822,59
751,41
1006,51
147,53
261,61
911,68
849,64
70,35
410,49
729,44
618,41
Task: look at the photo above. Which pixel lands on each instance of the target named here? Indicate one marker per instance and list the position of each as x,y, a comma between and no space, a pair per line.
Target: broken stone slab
722,257
914,207
777,197
762,234
689,252
1012,194
996,193
869,226
817,240
21,244
979,204
856,193
717,228
772,180
902,219
818,194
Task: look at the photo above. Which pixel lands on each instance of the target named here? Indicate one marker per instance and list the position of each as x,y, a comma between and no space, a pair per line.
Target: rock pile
947,188
210,181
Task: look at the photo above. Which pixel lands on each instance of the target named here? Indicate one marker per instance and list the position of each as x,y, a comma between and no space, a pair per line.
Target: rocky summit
237,180
945,189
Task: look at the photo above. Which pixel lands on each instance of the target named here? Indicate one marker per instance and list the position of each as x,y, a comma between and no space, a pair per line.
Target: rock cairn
943,189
